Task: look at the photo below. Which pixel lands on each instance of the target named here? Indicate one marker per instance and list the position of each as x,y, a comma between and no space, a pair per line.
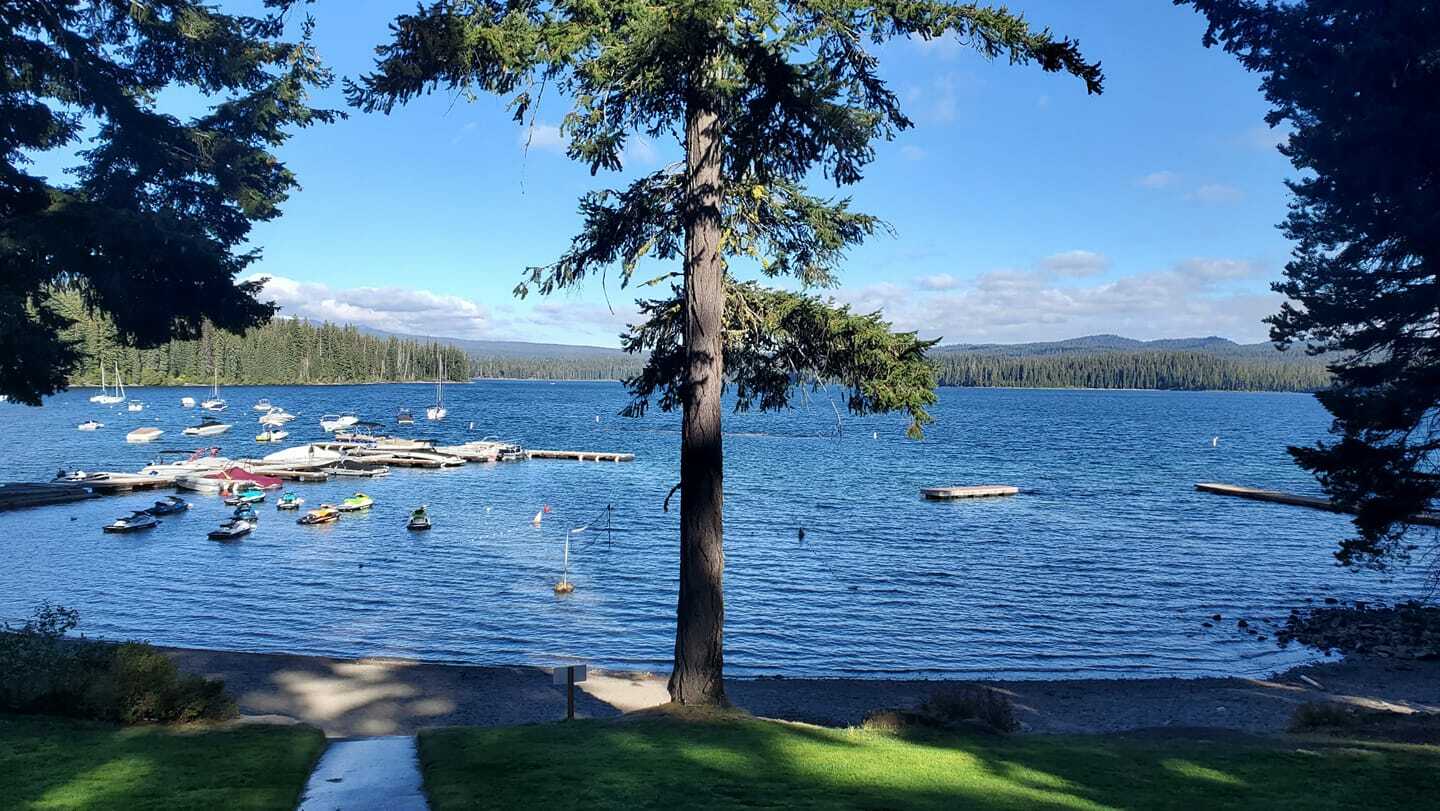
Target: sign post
568,676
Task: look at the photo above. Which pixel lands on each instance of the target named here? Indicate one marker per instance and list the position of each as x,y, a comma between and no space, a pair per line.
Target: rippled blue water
1106,564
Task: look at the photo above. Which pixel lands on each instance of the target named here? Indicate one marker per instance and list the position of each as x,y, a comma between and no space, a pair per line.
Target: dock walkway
1296,500
19,495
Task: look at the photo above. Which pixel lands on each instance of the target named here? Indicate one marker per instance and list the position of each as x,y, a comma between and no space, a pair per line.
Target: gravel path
350,698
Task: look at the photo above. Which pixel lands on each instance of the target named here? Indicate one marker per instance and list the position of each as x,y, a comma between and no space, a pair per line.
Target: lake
1105,565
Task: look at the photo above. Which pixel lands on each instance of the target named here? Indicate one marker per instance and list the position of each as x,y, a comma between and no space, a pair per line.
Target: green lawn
50,763
747,763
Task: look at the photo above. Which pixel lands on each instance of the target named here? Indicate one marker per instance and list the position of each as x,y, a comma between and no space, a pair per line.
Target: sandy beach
350,698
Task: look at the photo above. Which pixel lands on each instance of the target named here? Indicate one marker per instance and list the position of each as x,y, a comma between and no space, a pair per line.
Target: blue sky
1024,209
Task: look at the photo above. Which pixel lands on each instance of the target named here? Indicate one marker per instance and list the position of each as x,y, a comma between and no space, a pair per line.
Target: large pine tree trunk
698,677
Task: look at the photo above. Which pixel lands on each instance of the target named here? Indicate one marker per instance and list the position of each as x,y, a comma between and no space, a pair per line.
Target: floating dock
1295,500
16,496
126,482
969,491
582,456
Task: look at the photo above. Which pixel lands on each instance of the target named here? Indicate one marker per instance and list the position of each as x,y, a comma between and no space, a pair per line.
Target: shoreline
387,696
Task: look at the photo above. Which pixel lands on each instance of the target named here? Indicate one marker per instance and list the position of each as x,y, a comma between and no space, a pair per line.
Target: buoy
536,519
1215,442
597,417
564,587
875,435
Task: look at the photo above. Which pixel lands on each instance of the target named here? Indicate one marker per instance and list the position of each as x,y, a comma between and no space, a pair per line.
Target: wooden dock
18,495
581,456
969,491
127,482
1295,500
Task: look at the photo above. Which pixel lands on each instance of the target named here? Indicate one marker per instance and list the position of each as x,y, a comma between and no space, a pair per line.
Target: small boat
107,397
170,505
187,402
207,427
263,404
419,519
276,416
200,462
359,501
308,455
146,434
334,422
245,494
354,467
272,435
214,401
90,425
230,530
289,501
324,514
134,522
437,412
404,417
245,512
79,477
135,405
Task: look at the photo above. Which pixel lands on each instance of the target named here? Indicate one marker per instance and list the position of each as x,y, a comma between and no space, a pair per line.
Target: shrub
1314,715
44,671
957,705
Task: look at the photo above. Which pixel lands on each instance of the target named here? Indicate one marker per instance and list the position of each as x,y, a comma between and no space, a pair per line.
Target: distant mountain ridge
1090,344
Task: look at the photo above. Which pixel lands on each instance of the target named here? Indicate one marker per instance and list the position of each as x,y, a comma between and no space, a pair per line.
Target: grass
50,763
737,762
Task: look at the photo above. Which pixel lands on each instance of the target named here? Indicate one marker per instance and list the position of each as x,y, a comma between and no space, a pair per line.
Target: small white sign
561,675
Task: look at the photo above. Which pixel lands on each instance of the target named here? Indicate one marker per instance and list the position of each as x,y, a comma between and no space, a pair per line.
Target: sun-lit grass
738,762
48,763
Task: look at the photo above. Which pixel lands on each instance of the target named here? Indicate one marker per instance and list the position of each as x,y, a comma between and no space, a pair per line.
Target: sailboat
214,403
565,586
105,397
437,411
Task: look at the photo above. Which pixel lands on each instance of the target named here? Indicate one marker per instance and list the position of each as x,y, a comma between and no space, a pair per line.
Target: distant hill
1091,361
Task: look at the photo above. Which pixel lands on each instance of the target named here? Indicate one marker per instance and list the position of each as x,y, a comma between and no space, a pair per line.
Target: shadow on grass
53,763
736,762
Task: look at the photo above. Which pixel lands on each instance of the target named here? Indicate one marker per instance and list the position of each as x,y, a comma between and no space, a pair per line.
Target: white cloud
939,281
543,136
1216,194
912,153
1191,298
1076,263
393,309
1159,180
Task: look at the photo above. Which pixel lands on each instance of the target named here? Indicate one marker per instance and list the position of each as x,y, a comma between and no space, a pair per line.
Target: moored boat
204,460
134,522
272,435
90,425
170,505
419,519
214,402
263,404
146,434
245,512
230,530
245,493
306,455
208,427
335,422
276,416
187,402
404,417
135,405
289,501
324,514
438,411
359,501
357,468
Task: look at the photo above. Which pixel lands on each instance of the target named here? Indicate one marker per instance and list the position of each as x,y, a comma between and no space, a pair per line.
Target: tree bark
698,675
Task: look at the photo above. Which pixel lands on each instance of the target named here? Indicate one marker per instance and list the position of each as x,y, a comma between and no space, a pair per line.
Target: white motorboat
106,396
205,460
276,416
305,455
187,402
334,422
90,425
135,405
271,435
263,404
200,482
147,434
437,412
207,427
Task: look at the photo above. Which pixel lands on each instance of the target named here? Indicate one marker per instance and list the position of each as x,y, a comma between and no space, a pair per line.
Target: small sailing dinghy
230,530
170,505
324,514
147,434
134,522
208,427
289,501
419,519
359,501
90,425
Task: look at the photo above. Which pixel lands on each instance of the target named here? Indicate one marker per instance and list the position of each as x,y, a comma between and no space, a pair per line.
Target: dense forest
293,351
283,351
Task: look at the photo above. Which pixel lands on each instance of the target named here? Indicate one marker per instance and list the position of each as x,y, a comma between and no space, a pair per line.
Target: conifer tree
758,93
152,230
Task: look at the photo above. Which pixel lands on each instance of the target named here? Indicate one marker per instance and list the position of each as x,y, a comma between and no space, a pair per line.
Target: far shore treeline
288,351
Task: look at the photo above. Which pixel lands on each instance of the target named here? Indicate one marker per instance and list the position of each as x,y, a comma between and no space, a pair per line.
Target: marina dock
1295,500
582,456
17,496
968,491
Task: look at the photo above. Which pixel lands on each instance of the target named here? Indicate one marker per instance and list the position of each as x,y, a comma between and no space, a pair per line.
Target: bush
44,671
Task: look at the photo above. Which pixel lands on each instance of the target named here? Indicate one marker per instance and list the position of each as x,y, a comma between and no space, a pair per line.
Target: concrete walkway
366,773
